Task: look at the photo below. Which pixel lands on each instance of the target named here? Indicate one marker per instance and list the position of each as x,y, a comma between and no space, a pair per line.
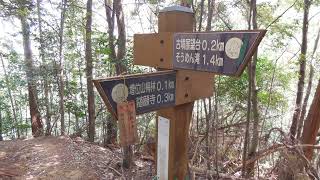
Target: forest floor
65,158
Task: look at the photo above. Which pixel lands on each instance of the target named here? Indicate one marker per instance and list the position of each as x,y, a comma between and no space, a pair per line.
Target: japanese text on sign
219,52
191,48
149,91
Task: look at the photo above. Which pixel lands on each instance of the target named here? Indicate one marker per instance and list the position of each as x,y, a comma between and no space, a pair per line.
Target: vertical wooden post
178,19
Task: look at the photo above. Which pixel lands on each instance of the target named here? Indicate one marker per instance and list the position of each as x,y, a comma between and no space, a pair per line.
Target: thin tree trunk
110,14
111,129
207,135
306,98
89,67
83,103
249,109
302,62
36,122
120,67
201,14
247,135
19,121
198,116
305,102
61,67
211,8
69,120
1,138
104,134
45,78
118,57
11,99
56,129
254,98
26,120
311,125
21,115
77,123
51,98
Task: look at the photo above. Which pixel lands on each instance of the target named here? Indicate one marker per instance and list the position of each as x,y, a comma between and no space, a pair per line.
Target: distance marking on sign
224,53
149,91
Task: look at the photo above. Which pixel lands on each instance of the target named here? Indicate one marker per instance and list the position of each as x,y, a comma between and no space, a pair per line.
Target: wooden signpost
187,62
226,52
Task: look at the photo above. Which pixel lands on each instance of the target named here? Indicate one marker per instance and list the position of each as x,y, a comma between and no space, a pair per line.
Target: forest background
50,51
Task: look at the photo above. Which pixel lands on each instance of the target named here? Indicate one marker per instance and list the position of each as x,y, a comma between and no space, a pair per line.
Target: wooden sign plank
156,50
225,52
168,88
153,50
193,85
150,91
127,123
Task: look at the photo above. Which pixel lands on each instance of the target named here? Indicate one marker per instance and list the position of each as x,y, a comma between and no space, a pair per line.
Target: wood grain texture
180,117
189,85
155,50
127,123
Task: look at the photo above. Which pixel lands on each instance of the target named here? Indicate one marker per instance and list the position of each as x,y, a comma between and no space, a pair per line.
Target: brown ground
64,158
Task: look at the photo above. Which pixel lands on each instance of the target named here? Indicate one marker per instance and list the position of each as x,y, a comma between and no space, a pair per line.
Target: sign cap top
177,8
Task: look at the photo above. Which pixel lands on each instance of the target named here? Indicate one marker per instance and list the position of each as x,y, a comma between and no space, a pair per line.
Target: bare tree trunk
69,120
305,102
208,112
36,122
45,78
88,52
104,133
311,125
77,129
115,14
302,62
61,67
247,135
201,14
211,8
11,99
21,114
120,67
110,14
254,98
83,103
207,134
1,138
26,120
306,98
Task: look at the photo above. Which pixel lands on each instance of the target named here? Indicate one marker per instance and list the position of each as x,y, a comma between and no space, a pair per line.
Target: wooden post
193,78
178,19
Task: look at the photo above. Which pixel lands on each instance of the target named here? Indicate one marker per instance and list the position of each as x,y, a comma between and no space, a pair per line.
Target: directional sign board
218,52
150,91
226,52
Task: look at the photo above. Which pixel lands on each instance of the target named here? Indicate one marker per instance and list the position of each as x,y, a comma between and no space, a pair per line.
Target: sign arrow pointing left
149,91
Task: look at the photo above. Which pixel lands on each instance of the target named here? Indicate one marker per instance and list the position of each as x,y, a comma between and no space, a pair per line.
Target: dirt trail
63,158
